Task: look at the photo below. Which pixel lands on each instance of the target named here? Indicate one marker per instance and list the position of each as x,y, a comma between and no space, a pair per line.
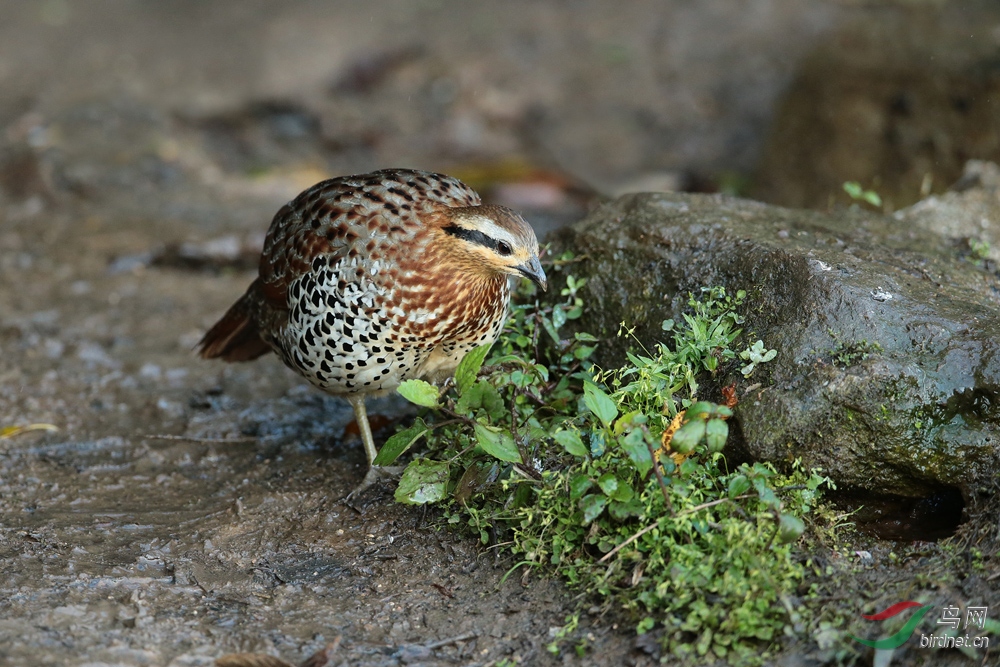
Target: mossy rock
888,368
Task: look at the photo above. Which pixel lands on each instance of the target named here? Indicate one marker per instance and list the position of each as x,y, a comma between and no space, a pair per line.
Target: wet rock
888,366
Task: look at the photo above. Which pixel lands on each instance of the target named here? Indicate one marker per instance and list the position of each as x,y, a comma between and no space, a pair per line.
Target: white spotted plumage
367,281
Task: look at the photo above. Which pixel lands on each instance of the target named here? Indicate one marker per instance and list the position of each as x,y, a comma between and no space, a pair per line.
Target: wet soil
185,509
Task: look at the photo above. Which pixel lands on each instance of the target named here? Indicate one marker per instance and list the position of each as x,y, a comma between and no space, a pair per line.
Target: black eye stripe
477,237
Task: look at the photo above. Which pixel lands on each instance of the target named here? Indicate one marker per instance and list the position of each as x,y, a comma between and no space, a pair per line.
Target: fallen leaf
11,431
668,435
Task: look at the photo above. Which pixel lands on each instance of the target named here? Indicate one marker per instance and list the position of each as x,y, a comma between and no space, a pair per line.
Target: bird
369,280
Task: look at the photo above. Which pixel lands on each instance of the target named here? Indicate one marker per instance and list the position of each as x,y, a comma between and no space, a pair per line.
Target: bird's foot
375,475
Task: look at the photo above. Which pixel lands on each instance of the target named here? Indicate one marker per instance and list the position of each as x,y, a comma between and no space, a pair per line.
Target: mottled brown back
359,288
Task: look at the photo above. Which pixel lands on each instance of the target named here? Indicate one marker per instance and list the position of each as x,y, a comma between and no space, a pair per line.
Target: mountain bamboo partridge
366,281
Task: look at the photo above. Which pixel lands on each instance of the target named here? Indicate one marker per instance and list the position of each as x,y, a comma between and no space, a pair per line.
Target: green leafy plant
856,192
978,251
705,422
756,354
617,479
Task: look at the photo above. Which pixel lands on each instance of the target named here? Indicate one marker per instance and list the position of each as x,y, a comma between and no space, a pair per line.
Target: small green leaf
645,625
592,506
468,367
629,421
399,443
700,410
634,445
599,403
558,317
688,437
623,493
766,493
789,528
579,485
497,443
738,485
550,329
423,482
626,509
571,442
608,483
543,372
853,189
420,393
481,395
716,432
492,403
597,444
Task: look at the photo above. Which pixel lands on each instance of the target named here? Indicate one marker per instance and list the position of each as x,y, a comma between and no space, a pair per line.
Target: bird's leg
375,473
357,402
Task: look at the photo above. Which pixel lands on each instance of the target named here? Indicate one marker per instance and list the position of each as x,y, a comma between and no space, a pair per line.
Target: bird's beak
533,272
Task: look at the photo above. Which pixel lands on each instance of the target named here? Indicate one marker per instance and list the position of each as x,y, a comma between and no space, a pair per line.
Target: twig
188,438
513,430
696,508
462,453
446,422
453,640
572,369
629,541
534,335
455,417
521,391
659,474
777,529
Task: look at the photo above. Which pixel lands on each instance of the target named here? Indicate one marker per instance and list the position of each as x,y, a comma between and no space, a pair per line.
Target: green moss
845,354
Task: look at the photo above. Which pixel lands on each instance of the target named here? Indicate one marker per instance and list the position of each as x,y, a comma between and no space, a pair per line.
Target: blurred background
210,115
145,146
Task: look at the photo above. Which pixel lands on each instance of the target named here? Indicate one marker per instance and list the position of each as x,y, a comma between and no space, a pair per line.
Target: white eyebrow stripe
493,230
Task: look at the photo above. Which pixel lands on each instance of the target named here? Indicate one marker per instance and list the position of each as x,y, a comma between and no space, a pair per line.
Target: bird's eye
504,248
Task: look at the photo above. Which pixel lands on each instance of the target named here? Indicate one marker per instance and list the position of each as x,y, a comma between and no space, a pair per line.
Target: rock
967,215
898,99
888,368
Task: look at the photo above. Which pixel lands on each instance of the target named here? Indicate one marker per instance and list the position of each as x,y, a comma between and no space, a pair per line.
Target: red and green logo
898,639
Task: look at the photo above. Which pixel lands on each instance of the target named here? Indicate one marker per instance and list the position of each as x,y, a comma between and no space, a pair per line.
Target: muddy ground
186,509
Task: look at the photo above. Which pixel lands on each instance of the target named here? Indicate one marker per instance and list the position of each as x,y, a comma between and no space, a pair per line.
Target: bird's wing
341,217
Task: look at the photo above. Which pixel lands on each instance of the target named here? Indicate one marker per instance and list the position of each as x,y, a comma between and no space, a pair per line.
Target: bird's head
497,238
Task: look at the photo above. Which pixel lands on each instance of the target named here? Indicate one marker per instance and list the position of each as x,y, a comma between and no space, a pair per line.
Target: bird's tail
235,337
